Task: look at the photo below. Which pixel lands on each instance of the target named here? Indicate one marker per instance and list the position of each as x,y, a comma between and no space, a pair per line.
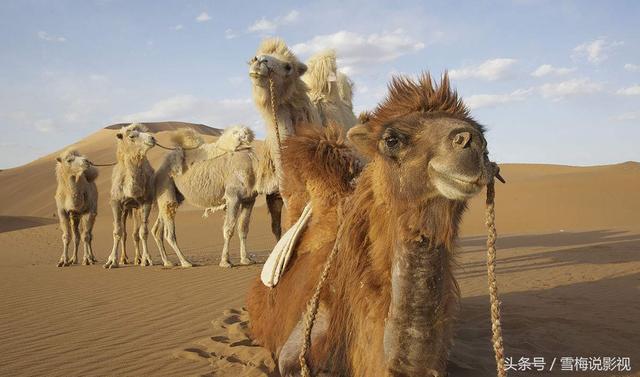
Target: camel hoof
247,261
61,264
124,261
225,264
111,264
168,264
186,264
86,262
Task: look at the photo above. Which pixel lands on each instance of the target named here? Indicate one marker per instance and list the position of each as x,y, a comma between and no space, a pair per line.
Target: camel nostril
461,140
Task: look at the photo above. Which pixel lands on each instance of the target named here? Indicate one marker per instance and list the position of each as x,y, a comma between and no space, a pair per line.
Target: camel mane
345,88
321,67
276,46
408,96
187,138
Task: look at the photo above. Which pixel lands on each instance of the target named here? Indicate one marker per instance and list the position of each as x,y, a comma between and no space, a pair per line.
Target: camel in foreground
77,201
275,68
132,192
389,299
211,176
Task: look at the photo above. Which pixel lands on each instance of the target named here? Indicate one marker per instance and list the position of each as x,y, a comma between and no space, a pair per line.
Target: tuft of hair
345,89
408,96
322,71
320,157
68,152
186,138
235,137
276,46
135,126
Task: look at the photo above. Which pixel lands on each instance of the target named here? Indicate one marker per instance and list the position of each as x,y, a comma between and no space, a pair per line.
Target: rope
496,327
111,164
173,149
272,97
312,308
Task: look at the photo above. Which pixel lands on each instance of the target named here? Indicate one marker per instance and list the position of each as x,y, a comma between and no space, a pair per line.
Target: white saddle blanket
279,258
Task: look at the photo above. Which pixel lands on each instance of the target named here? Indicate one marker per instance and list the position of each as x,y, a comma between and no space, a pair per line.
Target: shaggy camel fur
275,68
131,192
387,306
214,176
326,89
77,201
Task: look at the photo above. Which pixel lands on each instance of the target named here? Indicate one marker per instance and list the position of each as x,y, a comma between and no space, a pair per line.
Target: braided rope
97,165
312,308
272,97
496,327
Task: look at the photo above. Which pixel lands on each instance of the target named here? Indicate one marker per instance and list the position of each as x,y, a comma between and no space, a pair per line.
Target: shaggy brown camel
389,299
77,202
132,192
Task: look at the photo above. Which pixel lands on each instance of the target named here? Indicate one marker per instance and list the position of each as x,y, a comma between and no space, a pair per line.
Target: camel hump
187,138
321,160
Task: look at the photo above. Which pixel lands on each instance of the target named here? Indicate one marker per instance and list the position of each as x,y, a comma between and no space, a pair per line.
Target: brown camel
388,303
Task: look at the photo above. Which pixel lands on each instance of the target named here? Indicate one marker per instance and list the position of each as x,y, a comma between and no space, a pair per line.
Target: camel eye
132,137
287,67
391,141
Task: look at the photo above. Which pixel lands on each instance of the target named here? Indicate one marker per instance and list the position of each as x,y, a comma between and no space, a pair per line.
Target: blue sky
553,81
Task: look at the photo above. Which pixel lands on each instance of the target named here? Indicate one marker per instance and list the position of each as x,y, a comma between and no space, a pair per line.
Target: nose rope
272,97
98,165
496,326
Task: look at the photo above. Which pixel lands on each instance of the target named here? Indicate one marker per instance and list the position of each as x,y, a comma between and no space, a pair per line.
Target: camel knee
66,237
142,233
87,237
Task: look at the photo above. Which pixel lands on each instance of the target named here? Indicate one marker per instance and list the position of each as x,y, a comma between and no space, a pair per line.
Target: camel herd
387,192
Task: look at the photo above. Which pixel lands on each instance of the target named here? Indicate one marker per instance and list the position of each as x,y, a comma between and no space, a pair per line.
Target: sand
568,270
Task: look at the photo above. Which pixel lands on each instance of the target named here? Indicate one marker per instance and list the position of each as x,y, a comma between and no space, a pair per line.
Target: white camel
211,176
132,191
77,202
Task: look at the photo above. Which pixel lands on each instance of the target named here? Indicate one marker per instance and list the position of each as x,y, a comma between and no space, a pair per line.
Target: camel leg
145,210
230,219
75,229
136,236
243,228
87,234
157,231
124,259
65,226
274,204
170,236
112,261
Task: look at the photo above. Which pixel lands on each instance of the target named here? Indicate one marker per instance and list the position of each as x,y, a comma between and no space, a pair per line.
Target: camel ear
302,68
361,138
119,135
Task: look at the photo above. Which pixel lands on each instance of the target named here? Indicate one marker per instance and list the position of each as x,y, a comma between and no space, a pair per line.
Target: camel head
275,61
135,140
235,137
71,163
425,143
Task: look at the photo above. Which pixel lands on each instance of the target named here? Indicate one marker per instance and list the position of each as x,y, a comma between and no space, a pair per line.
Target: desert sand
568,272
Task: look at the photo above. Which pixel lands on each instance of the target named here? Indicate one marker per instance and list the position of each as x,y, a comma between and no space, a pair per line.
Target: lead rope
312,308
496,327
272,97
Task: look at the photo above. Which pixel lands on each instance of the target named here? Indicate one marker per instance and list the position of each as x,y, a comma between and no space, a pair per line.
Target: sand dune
568,269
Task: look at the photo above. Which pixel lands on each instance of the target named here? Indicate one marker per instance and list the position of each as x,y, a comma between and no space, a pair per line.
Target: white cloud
548,69
50,38
574,87
628,116
489,100
44,125
267,26
595,51
632,67
189,108
203,17
630,91
229,34
177,27
491,70
354,49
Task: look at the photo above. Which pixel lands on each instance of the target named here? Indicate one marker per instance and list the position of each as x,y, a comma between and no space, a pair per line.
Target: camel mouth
455,186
